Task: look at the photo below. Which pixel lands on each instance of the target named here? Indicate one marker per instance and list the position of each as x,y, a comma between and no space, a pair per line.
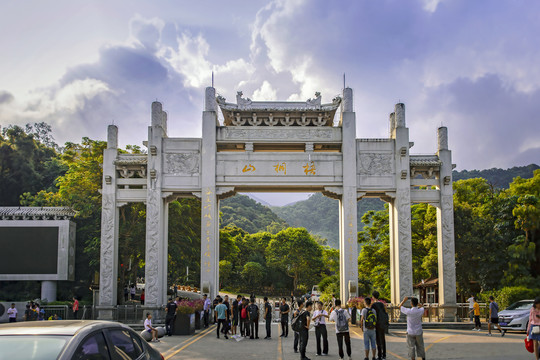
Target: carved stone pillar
108,262
156,226
401,273
209,200
348,240
445,232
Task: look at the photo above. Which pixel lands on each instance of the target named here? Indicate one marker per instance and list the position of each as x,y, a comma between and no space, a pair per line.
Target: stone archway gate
277,146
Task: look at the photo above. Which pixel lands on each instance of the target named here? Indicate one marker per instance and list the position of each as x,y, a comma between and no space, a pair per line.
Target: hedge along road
440,344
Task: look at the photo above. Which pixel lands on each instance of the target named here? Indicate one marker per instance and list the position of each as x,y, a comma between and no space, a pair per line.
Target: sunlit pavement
440,344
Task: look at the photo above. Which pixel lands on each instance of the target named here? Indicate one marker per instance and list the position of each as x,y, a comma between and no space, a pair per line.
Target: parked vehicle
516,316
73,339
315,293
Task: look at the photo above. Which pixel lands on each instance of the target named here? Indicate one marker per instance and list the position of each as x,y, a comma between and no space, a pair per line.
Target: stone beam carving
372,163
182,164
107,261
152,246
280,134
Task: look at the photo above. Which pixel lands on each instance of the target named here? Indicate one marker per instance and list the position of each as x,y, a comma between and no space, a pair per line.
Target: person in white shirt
342,317
319,319
148,327
415,339
471,306
12,313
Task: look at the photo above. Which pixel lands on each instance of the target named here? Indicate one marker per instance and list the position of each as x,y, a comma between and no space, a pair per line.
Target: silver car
516,316
73,339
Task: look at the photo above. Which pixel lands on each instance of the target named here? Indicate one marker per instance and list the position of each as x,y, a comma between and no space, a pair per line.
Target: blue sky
470,65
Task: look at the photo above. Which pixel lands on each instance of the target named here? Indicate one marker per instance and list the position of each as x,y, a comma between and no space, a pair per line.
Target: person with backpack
268,318
284,312
382,325
236,314
342,317
221,317
294,326
253,315
300,325
319,318
494,316
368,322
415,339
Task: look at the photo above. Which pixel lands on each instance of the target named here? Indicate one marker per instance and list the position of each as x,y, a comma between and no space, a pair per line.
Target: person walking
220,312
305,319
148,327
494,316
533,330
235,313
268,318
253,315
227,326
476,311
75,307
170,316
471,307
284,310
368,323
415,339
342,317
382,325
143,296
297,313
319,320
206,309
132,291
12,313
126,294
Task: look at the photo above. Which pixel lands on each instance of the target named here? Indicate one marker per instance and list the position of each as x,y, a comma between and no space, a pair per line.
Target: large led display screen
29,250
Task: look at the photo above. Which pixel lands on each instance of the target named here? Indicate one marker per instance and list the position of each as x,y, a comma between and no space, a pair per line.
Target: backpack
253,312
342,325
297,322
371,319
243,313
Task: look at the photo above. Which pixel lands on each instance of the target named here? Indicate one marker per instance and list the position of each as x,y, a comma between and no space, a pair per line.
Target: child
148,327
476,310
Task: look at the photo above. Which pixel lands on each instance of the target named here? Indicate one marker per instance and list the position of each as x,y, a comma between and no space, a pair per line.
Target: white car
516,316
315,293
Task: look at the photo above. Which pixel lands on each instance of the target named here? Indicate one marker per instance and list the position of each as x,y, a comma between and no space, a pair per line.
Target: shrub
186,307
509,295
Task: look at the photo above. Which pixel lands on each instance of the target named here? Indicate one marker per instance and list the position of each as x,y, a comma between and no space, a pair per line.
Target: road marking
439,340
182,343
280,345
389,352
197,338
185,341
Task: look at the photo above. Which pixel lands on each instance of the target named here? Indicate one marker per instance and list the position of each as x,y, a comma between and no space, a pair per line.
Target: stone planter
198,320
184,324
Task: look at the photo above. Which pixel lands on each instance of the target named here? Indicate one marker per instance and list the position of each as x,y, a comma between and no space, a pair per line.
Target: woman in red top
142,297
534,326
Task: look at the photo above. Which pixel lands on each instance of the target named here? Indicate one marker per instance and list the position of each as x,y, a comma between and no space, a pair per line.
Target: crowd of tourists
240,319
34,312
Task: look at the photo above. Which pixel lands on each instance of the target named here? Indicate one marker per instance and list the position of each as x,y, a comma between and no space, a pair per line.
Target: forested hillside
246,213
320,215
499,178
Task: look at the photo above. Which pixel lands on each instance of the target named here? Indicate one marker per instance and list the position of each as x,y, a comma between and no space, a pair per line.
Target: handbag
535,330
529,345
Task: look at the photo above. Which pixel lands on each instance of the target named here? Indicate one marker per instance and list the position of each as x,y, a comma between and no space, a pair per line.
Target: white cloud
265,92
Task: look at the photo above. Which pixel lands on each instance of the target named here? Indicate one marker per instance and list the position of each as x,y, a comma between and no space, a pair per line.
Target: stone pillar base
48,290
105,313
448,313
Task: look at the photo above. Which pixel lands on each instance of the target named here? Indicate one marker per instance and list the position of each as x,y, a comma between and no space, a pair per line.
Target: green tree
225,273
253,273
295,251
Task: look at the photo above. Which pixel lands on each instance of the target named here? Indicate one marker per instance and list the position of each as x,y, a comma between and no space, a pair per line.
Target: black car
73,339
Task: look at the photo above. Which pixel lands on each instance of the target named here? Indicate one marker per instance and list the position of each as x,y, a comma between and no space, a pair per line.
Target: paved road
440,344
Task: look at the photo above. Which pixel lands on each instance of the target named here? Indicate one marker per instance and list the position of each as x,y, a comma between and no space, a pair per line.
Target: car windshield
520,305
31,347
